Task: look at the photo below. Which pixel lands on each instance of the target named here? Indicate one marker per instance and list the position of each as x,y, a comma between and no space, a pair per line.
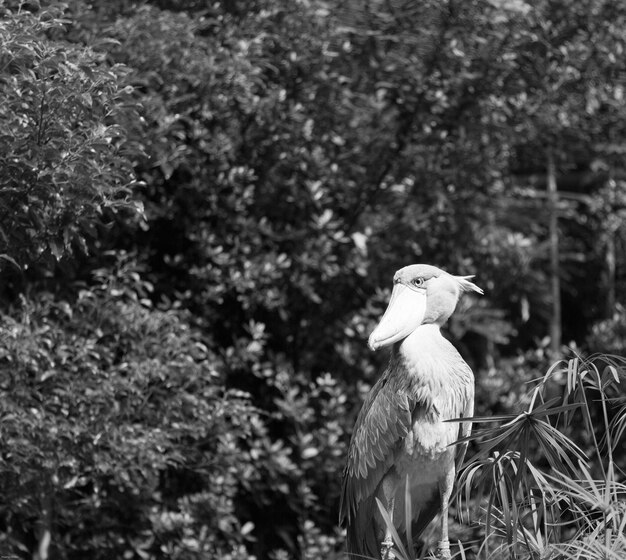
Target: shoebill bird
401,438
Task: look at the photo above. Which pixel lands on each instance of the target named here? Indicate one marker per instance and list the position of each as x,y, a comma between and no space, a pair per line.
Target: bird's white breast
440,379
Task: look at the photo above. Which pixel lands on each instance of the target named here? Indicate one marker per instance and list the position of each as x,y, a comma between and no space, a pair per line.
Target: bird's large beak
404,314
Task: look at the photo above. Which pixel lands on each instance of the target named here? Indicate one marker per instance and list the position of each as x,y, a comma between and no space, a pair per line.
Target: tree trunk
43,529
555,282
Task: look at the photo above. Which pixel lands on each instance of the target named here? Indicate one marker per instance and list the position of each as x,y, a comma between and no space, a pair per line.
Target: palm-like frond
589,549
549,472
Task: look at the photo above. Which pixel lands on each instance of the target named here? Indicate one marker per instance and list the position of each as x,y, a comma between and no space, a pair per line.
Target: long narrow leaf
392,529
408,514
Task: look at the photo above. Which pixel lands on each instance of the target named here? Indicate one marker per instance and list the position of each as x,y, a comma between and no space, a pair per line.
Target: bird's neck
429,368
424,351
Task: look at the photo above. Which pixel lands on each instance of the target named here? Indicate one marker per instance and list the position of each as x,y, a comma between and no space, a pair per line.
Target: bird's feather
382,423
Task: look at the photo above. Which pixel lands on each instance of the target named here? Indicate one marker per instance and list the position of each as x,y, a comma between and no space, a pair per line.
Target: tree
64,159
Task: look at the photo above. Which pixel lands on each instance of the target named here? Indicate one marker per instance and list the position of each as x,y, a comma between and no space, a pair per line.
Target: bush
64,159
118,436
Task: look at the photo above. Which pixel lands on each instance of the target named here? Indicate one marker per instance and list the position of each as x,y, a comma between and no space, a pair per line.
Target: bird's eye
418,282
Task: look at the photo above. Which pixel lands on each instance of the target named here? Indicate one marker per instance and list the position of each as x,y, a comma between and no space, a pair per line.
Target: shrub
118,437
64,159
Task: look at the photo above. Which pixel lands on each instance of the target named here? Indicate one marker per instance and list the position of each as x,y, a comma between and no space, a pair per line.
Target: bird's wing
384,420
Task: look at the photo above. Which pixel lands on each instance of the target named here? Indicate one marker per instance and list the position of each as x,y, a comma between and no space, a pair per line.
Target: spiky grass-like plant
548,483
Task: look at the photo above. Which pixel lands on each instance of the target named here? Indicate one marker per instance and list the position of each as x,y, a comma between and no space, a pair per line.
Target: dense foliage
201,206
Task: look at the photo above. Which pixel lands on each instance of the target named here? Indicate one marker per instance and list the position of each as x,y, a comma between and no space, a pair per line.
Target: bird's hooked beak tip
373,344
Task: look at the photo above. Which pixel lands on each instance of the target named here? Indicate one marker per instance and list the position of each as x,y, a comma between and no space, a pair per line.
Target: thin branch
41,115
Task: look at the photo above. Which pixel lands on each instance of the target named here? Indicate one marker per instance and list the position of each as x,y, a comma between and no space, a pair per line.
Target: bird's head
421,294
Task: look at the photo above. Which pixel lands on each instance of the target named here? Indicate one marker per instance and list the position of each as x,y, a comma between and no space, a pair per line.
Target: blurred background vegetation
202,205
